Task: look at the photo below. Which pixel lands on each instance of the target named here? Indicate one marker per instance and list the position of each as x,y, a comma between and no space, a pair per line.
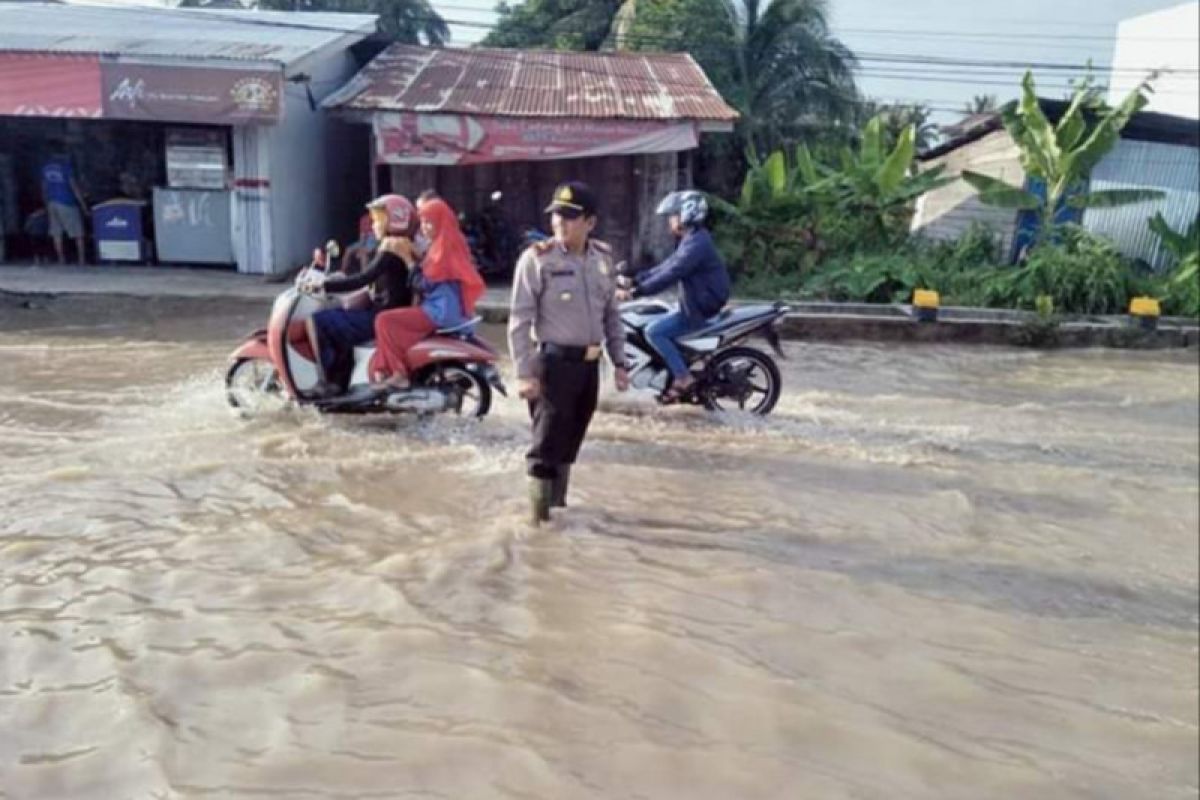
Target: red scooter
453,370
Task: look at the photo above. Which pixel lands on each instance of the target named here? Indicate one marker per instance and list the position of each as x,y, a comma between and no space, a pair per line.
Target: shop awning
447,106
49,85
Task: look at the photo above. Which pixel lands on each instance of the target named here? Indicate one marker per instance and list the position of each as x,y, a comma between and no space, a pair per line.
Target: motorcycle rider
334,332
696,265
448,286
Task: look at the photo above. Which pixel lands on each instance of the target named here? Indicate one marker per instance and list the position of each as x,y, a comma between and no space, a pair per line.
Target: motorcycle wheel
252,383
475,395
744,379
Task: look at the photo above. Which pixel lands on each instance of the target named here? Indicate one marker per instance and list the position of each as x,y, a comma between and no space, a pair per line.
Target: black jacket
388,275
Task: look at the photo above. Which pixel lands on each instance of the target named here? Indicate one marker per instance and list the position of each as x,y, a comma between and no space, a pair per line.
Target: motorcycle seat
465,329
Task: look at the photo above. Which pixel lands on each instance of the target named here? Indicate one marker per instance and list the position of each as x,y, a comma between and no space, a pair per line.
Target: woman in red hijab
448,287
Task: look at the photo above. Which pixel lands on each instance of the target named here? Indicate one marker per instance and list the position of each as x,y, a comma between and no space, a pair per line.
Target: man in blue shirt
64,204
698,267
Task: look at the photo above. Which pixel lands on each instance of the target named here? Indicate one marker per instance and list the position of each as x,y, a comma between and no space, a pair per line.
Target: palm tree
790,75
982,104
775,61
556,24
896,117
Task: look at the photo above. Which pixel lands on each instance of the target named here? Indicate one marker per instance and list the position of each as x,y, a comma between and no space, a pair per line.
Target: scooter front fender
254,347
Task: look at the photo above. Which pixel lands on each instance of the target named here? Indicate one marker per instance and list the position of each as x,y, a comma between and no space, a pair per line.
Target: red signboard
411,138
191,94
49,85
61,85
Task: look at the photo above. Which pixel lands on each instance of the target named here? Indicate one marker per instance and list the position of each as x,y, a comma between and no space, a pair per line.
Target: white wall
946,213
1167,39
299,169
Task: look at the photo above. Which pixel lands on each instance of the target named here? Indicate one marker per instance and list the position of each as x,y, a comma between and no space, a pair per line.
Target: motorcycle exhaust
418,400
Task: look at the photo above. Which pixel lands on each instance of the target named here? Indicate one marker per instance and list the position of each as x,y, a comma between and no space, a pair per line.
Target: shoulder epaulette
603,247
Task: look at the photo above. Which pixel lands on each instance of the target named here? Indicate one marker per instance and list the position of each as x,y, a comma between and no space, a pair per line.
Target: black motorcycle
729,373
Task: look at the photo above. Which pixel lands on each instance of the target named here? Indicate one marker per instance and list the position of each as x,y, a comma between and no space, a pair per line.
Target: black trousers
561,413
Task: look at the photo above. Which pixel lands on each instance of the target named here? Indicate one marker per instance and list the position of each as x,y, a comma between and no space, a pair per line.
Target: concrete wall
1168,40
305,171
947,213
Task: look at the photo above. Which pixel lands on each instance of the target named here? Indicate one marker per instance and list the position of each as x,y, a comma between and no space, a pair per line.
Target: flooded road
933,573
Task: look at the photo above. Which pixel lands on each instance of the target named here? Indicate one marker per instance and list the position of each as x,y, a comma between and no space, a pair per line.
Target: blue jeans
339,331
662,334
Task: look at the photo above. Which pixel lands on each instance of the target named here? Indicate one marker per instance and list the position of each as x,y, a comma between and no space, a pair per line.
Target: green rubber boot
558,499
541,490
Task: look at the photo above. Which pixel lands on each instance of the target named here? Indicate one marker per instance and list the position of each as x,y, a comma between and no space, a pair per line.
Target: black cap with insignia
573,196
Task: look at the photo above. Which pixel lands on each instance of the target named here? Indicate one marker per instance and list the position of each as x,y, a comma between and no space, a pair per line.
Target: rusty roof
534,83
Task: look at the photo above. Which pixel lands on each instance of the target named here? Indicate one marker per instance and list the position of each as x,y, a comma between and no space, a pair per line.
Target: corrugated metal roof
524,83
1145,126
276,37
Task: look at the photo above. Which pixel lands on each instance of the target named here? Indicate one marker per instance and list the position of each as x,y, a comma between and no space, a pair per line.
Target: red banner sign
60,85
191,94
49,85
411,138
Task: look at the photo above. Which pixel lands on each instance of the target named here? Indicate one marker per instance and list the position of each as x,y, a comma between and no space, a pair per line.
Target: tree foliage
410,21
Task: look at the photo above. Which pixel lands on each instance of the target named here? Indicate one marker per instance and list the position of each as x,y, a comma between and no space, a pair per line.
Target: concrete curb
807,320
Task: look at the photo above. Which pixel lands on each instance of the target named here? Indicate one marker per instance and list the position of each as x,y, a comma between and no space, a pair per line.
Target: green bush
1083,273
958,270
1179,290
875,278
1075,272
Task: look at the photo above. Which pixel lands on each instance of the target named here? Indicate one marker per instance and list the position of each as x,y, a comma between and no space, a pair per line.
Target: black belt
568,352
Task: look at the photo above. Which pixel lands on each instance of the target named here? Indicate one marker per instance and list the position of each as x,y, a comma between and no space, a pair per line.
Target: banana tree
797,209
1062,156
1185,247
773,223
879,180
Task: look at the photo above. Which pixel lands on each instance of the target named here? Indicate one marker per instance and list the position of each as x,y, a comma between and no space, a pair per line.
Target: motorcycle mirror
497,196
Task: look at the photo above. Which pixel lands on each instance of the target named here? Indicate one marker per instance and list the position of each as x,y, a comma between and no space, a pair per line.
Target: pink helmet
401,215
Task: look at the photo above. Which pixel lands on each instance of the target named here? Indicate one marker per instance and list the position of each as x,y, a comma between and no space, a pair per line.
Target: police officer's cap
573,198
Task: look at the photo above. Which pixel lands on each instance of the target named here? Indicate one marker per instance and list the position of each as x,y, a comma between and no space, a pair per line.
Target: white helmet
690,205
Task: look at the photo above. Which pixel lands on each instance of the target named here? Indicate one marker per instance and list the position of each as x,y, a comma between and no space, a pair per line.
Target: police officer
564,316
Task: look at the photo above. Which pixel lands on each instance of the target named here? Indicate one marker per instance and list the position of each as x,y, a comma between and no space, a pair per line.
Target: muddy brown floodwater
934,572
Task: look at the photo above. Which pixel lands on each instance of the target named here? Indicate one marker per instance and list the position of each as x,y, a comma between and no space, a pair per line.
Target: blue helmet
690,205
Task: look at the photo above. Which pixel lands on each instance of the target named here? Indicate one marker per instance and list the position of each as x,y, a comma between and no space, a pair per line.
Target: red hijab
449,257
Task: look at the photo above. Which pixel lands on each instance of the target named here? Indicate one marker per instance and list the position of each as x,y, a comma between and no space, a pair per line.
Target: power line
909,71
866,56
975,34
937,34
860,56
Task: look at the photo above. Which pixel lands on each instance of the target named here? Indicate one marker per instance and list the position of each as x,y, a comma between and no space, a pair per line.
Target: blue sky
1064,32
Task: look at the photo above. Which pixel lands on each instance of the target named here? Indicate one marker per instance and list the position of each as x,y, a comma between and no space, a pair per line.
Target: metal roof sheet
525,83
277,37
